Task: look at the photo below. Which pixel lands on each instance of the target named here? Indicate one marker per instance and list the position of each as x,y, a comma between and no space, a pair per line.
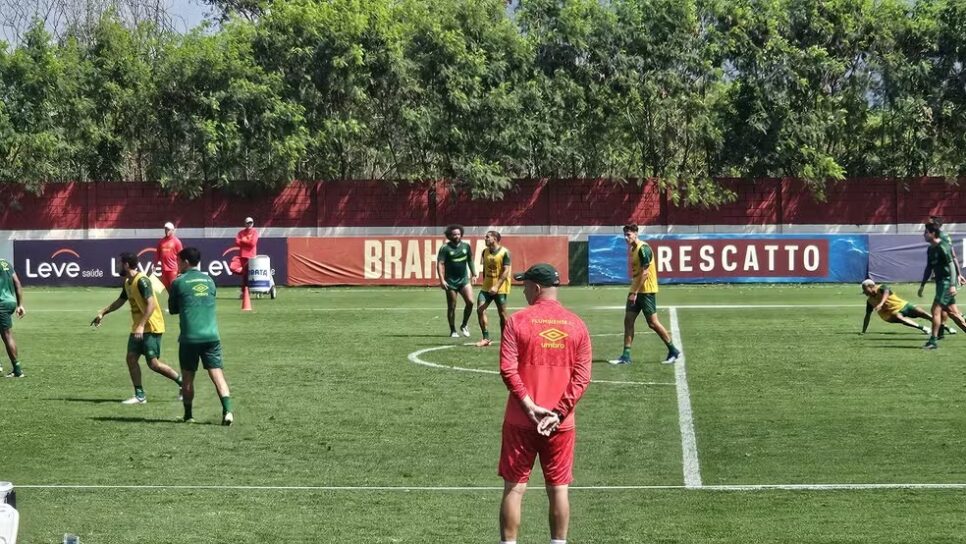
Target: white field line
515,308
737,306
689,444
432,488
416,357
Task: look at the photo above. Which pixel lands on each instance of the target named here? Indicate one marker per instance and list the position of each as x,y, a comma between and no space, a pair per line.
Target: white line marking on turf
416,357
737,306
738,487
689,444
515,308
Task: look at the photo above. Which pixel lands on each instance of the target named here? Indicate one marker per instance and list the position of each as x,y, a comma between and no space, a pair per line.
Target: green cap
543,274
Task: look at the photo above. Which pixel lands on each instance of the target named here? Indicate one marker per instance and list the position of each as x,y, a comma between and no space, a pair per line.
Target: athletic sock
178,380
557,541
467,313
670,346
486,334
139,391
16,368
627,352
508,542
226,404
187,411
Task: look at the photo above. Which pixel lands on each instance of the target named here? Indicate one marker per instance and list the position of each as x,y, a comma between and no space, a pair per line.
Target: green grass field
340,437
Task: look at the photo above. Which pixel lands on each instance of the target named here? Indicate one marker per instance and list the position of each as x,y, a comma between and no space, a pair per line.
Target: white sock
508,542
554,541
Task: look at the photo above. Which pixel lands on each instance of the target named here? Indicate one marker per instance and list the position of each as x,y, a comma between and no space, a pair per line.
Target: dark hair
130,259
190,254
451,228
936,220
632,227
933,229
494,234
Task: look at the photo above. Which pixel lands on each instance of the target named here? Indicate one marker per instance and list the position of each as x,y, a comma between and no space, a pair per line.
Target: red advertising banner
737,257
404,260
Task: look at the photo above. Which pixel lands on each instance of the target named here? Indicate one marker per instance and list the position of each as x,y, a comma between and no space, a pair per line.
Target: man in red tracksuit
168,248
247,242
545,359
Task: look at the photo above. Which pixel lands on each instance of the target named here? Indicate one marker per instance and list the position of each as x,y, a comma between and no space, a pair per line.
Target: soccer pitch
359,420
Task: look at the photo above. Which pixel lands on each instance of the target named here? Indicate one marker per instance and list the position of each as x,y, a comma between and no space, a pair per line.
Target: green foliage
682,92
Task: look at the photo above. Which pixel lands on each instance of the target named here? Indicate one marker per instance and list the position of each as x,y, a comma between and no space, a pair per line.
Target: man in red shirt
168,249
545,359
247,242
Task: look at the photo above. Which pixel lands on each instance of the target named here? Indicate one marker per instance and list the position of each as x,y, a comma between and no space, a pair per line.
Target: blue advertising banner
94,262
902,257
736,258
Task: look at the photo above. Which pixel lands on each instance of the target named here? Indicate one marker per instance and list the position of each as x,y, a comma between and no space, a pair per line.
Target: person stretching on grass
891,309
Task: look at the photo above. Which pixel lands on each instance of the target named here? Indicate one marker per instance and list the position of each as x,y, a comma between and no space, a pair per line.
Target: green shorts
909,310
645,302
485,298
209,353
149,345
457,284
6,320
943,298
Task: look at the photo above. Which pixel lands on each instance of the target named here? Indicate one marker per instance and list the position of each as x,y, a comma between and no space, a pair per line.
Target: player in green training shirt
454,258
11,303
192,297
942,267
947,239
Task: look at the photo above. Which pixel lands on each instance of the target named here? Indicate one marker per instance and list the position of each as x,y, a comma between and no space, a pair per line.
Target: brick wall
531,202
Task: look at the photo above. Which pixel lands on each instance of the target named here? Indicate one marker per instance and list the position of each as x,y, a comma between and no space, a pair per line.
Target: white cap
249,220
868,283
169,225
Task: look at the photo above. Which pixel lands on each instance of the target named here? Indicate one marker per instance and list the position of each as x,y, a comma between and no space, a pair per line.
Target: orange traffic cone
246,300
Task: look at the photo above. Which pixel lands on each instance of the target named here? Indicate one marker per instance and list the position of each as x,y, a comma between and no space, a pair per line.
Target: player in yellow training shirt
496,283
892,309
146,328
642,297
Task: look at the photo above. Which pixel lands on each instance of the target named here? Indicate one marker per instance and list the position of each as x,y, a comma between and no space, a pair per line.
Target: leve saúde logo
55,267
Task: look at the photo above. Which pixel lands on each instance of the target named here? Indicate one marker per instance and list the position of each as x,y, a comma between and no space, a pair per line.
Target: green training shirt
8,291
455,260
192,297
941,262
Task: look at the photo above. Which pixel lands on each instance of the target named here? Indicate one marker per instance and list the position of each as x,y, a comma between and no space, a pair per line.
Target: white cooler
9,523
260,276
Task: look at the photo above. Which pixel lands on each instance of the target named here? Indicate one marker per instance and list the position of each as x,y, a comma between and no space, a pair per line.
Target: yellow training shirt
642,258
494,264
137,290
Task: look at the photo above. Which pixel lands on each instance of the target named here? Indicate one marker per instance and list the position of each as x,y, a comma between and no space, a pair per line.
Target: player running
146,329
642,297
192,297
892,309
946,238
451,265
11,303
942,267
496,283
